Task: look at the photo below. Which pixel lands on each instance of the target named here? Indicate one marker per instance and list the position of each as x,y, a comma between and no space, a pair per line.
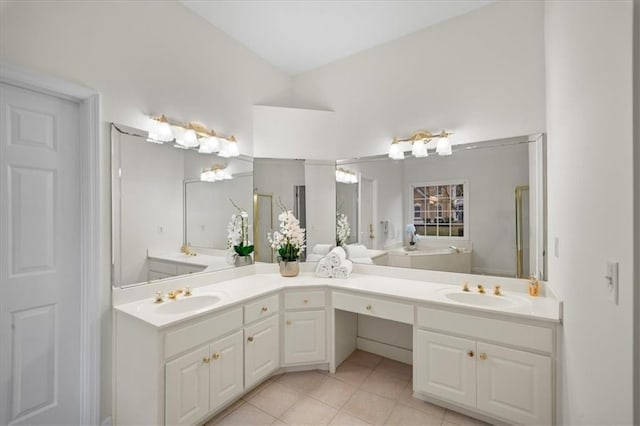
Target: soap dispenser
534,286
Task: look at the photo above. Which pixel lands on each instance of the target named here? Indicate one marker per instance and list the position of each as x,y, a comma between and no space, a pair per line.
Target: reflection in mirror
275,180
347,213
160,203
480,210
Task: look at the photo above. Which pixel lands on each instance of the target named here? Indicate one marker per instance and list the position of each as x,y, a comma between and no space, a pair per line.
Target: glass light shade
444,147
395,152
233,149
419,149
209,145
189,139
164,133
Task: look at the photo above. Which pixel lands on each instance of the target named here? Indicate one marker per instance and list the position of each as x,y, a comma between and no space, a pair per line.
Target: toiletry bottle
534,286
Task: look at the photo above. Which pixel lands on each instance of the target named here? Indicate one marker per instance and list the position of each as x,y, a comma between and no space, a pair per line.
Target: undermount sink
186,304
478,299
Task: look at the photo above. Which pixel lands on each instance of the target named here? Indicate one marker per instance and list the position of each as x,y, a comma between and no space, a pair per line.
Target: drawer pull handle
368,307
250,338
206,360
483,356
264,309
470,353
288,322
216,356
305,301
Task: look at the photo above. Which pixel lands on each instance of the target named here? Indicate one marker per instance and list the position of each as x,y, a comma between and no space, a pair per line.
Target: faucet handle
187,291
480,288
497,290
159,297
465,286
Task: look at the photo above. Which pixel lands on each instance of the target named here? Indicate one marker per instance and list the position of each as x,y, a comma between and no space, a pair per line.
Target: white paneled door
39,259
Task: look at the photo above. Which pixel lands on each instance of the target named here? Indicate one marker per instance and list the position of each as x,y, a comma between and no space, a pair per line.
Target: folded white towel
336,256
356,251
321,249
343,270
363,260
324,269
314,257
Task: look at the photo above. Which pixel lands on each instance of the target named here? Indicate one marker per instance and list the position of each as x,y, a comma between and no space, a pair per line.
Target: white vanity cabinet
261,339
203,380
500,381
305,337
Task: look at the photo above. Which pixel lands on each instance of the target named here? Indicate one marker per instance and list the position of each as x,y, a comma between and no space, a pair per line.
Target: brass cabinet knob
206,360
470,353
305,301
368,307
483,356
264,309
288,322
216,356
250,338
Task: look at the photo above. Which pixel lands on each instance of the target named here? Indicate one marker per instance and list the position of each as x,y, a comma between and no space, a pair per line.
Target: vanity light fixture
419,141
346,176
215,173
194,135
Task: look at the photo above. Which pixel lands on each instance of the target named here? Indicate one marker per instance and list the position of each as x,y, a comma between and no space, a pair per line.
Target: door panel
226,369
515,385
304,337
187,387
39,258
261,350
446,367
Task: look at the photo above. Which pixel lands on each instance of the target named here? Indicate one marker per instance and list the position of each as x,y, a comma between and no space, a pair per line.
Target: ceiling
301,35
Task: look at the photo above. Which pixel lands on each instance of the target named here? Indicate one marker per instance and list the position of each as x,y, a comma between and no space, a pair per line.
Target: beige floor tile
247,415
400,369
461,419
257,389
352,373
333,392
373,408
304,381
308,411
406,398
407,416
366,359
218,417
278,422
345,419
275,399
387,385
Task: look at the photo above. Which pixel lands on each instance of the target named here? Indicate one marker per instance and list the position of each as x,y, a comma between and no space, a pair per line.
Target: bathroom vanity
183,360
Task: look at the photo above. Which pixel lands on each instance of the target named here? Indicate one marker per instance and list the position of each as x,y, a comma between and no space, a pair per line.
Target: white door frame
90,203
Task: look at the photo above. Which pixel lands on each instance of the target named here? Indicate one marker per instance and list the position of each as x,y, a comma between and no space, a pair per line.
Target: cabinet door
304,337
446,367
226,376
187,387
514,385
261,350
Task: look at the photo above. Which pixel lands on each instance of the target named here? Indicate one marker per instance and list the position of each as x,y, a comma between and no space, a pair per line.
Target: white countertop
236,290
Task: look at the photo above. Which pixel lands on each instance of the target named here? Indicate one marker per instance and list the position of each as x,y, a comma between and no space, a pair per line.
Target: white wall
589,117
144,58
320,182
480,75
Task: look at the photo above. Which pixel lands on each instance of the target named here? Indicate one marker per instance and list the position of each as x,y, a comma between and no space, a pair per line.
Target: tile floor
366,390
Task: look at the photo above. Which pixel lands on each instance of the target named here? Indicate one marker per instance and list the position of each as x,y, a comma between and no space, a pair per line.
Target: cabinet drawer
373,306
203,331
261,308
511,333
304,299
168,268
189,269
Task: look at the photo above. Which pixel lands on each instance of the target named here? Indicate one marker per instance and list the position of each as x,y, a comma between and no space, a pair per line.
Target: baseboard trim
383,349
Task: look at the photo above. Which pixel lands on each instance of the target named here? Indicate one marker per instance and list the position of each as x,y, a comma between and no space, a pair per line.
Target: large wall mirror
160,204
480,210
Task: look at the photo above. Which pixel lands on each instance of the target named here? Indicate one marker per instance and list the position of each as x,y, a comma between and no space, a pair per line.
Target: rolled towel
324,269
321,249
357,251
343,270
336,256
314,257
362,260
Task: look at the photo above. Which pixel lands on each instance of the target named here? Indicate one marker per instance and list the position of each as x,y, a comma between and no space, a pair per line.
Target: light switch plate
611,279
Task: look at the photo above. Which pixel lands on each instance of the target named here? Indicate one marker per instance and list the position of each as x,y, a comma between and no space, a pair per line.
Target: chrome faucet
456,249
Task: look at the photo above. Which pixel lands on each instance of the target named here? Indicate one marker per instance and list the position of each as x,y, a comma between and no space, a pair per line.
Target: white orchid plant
289,241
238,232
343,229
